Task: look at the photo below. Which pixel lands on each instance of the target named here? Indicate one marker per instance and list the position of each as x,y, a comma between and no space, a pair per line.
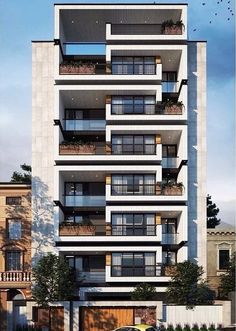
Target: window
169,151
14,229
128,65
133,105
133,224
138,144
133,264
13,200
169,225
224,258
169,257
133,184
13,261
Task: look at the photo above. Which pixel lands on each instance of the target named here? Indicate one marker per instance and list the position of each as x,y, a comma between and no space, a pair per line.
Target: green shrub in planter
186,328
212,327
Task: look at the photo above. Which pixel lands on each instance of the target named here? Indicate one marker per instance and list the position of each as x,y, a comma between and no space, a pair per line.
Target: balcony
168,108
169,189
170,162
84,200
14,278
69,67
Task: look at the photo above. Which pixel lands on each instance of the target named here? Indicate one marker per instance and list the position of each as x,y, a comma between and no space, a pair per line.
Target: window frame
7,228
218,257
9,198
21,260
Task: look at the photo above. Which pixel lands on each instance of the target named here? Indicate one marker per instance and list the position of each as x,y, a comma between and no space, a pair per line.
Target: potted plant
77,67
169,270
169,27
174,108
86,228
173,188
76,147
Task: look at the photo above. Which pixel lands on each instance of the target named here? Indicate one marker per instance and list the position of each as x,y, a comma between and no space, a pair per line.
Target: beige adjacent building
220,246
15,252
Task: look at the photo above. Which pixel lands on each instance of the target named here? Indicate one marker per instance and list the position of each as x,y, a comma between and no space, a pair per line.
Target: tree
54,280
25,177
143,291
227,280
212,212
187,288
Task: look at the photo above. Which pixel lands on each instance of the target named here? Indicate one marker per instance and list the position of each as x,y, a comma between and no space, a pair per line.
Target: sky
211,20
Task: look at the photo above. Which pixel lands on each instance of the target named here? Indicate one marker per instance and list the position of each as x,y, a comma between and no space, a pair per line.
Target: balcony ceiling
82,25
93,98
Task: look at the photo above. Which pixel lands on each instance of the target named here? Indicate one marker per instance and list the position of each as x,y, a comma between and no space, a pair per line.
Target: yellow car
138,327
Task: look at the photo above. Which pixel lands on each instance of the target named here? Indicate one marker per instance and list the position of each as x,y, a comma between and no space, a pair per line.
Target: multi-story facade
119,145
15,252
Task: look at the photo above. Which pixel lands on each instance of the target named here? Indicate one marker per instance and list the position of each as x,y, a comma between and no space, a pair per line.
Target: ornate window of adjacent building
13,261
14,229
13,200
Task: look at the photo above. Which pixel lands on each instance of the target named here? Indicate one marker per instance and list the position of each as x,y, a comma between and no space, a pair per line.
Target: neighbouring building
221,244
15,253
119,149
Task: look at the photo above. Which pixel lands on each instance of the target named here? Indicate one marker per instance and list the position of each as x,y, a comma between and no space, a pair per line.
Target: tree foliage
25,177
54,280
212,212
227,280
144,292
187,287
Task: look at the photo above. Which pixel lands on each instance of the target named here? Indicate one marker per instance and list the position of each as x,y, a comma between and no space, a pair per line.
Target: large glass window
133,224
128,65
133,264
224,258
73,188
13,261
169,257
133,105
169,151
14,229
169,225
133,184
138,144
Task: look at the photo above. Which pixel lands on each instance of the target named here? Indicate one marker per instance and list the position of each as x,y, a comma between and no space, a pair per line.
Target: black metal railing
147,109
140,189
136,271
136,29
148,149
133,230
133,69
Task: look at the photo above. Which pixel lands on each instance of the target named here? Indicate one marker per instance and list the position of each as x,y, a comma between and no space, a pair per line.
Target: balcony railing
66,148
133,69
85,125
169,238
169,162
147,109
85,200
15,276
139,149
133,230
148,189
136,271
169,87
93,276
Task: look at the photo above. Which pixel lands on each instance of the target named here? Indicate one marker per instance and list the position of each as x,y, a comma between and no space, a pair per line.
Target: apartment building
118,154
15,253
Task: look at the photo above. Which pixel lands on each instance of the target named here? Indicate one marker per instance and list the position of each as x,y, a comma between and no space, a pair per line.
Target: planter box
173,30
78,70
173,190
77,230
73,149
158,189
173,110
169,270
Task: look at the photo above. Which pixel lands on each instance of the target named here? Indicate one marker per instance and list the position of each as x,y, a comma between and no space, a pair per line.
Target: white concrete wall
42,148
197,152
198,315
